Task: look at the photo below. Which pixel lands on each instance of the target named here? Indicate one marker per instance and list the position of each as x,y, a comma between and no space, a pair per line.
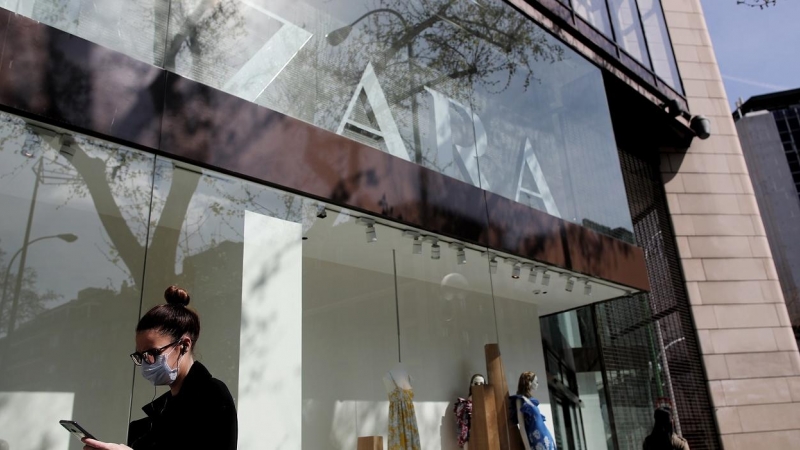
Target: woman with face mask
198,411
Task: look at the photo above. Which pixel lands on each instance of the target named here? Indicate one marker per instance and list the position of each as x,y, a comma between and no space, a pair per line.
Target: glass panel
596,13
550,141
658,42
572,339
274,306
135,28
628,28
474,90
445,308
72,244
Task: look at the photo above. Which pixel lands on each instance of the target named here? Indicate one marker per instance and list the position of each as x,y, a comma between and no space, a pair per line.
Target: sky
758,50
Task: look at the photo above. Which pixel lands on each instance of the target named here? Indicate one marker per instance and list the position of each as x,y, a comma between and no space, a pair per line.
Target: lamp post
67,237
336,37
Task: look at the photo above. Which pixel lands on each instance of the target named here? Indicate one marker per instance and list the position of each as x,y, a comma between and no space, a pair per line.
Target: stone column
748,347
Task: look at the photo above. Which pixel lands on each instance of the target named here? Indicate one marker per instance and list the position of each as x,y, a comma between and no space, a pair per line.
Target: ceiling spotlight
532,275
372,236
493,265
416,247
587,288
545,278
515,271
461,257
492,261
436,251
321,212
570,284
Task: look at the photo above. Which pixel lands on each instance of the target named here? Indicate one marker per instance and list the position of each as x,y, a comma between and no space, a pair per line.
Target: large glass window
134,27
305,308
655,28
628,27
473,90
595,12
73,236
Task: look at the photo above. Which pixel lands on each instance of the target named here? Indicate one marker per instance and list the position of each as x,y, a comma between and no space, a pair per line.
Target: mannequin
463,411
397,377
525,412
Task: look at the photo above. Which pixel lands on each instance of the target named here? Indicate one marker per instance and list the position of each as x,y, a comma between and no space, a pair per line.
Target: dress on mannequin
403,432
462,409
532,422
524,411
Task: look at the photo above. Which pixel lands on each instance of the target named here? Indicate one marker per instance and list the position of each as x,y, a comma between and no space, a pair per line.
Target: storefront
343,189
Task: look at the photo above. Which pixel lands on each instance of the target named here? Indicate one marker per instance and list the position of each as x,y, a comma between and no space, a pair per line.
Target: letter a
531,163
383,115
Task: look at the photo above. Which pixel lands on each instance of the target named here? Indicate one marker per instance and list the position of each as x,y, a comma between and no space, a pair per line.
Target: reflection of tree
31,300
456,45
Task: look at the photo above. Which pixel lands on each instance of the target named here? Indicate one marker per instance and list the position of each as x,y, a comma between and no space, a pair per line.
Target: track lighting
416,245
492,261
436,251
461,255
587,288
372,235
545,278
532,275
515,271
321,212
570,284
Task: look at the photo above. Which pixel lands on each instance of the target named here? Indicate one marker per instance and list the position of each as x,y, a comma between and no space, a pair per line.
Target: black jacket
201,416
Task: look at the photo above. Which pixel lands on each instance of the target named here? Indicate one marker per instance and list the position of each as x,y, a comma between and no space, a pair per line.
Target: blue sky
758,51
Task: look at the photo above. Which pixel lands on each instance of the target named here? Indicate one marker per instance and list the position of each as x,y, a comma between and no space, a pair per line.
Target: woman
198,411
663,437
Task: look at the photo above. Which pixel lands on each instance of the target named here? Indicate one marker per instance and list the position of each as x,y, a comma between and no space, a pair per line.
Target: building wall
777,201
748,347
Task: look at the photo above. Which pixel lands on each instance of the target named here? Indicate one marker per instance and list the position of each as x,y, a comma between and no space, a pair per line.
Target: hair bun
176,296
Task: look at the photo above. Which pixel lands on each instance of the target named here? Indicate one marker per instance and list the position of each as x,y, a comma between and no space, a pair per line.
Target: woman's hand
93,444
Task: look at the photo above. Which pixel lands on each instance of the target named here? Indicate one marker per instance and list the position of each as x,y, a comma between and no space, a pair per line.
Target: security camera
701,126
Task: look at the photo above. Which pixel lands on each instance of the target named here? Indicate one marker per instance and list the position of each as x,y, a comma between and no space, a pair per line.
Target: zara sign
449,154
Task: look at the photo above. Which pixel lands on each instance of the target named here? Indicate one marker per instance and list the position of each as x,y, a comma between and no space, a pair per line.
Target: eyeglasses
149,356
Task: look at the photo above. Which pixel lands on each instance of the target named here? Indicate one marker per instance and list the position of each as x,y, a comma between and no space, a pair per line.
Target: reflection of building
507,138
769,129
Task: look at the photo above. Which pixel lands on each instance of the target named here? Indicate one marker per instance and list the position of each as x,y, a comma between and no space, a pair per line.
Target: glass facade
473,90
304,307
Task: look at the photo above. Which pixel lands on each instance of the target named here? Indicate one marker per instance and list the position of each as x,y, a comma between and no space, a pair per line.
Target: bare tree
760,4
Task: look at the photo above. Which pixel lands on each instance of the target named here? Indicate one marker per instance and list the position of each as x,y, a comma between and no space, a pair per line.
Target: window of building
305,307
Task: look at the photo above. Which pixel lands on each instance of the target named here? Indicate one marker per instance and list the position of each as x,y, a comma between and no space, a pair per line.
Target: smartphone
75,429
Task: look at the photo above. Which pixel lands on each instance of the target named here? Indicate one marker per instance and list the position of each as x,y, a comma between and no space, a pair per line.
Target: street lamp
339,35
66,237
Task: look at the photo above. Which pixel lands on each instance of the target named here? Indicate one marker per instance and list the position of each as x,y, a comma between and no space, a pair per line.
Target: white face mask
159,373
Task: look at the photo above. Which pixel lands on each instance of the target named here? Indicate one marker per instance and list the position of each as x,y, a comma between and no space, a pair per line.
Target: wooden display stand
491,428
370,443
483,433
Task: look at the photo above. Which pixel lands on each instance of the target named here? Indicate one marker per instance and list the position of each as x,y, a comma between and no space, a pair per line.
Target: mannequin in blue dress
525,413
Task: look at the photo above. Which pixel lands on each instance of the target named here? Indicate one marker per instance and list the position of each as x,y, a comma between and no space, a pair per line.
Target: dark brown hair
173,318
525,383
